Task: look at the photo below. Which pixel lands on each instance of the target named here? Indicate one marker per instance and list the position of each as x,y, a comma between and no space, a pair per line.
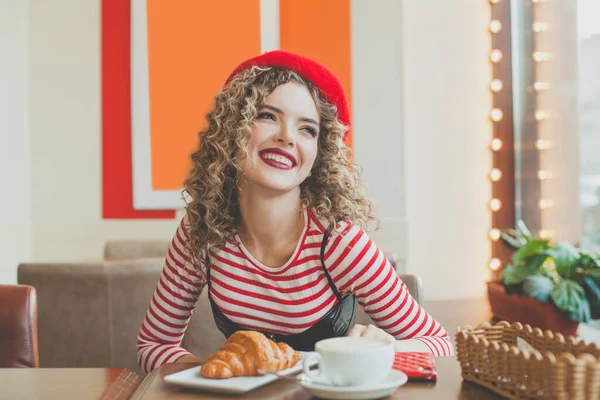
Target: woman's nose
285,136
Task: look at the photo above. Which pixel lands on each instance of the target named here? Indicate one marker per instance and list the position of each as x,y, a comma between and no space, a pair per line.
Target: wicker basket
558,368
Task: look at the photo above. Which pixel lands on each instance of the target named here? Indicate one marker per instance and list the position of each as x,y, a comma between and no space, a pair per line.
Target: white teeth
277,157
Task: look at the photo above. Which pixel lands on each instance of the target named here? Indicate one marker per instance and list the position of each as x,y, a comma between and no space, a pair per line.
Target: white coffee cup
350,361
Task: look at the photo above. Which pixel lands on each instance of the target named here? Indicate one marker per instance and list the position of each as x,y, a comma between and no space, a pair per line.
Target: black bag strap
331,284
207,260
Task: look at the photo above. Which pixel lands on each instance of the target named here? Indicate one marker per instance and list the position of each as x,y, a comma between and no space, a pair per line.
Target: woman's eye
312,131
265,115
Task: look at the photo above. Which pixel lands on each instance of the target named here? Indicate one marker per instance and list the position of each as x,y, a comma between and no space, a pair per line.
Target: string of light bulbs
496,144
501,145
541,115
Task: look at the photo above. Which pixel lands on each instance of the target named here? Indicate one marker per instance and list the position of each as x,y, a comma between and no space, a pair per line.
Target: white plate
191,378
393,381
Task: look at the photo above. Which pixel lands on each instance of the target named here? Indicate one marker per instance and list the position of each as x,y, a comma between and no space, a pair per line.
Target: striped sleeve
171,307
358,266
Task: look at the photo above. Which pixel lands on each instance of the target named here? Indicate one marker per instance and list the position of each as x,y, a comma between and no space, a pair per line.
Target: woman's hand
370,331
188,358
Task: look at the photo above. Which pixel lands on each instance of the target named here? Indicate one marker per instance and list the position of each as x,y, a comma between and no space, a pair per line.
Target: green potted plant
552,286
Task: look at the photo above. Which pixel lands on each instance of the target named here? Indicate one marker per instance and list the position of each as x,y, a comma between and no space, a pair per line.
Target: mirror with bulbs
553,108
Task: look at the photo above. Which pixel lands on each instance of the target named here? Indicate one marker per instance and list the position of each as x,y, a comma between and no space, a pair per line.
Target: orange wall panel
319,29
192,47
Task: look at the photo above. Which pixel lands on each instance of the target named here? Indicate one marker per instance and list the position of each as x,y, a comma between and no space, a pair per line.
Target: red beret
317,74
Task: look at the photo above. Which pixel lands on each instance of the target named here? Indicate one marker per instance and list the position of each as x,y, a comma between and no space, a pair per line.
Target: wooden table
449,385
91,384
66,383
119,384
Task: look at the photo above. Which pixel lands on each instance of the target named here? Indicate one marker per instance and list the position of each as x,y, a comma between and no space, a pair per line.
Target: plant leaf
567,295
523,229
510,240
595,272
592,293
535,262
538,287
582,313
565,257
513,275
533,247
588,261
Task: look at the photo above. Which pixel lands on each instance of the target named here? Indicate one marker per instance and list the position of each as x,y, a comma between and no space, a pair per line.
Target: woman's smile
278,158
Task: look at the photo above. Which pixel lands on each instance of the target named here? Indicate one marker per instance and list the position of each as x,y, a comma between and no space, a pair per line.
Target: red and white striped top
288,299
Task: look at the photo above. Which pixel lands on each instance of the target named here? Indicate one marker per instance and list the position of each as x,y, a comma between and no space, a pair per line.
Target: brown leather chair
18,327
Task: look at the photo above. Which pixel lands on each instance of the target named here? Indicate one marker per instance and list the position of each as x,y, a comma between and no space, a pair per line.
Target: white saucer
393,381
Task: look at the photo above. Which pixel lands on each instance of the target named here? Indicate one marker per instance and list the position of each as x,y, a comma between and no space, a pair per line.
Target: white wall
15,171
66,136
446,135
377,84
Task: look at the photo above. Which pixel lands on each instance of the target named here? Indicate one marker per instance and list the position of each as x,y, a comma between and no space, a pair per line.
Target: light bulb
495,234
541,86
495,175
496,144
545,204
539,27
495,26
539,56
542,144
495,204
496,85
546,234
495,56
496,114
543,174
495,264
541,115
494,1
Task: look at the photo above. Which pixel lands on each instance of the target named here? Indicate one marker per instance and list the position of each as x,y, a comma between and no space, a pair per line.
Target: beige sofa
89,313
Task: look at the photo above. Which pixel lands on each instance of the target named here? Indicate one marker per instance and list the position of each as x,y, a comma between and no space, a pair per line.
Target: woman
274,224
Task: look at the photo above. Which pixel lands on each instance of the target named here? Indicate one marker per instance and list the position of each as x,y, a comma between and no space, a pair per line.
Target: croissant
245,352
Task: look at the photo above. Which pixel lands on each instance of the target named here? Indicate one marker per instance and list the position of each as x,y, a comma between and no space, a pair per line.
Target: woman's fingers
370,331
375,333
356,330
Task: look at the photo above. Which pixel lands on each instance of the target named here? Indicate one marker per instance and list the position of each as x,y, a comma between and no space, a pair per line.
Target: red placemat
417,366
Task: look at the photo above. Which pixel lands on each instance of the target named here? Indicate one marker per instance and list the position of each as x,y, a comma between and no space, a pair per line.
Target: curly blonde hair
333,190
